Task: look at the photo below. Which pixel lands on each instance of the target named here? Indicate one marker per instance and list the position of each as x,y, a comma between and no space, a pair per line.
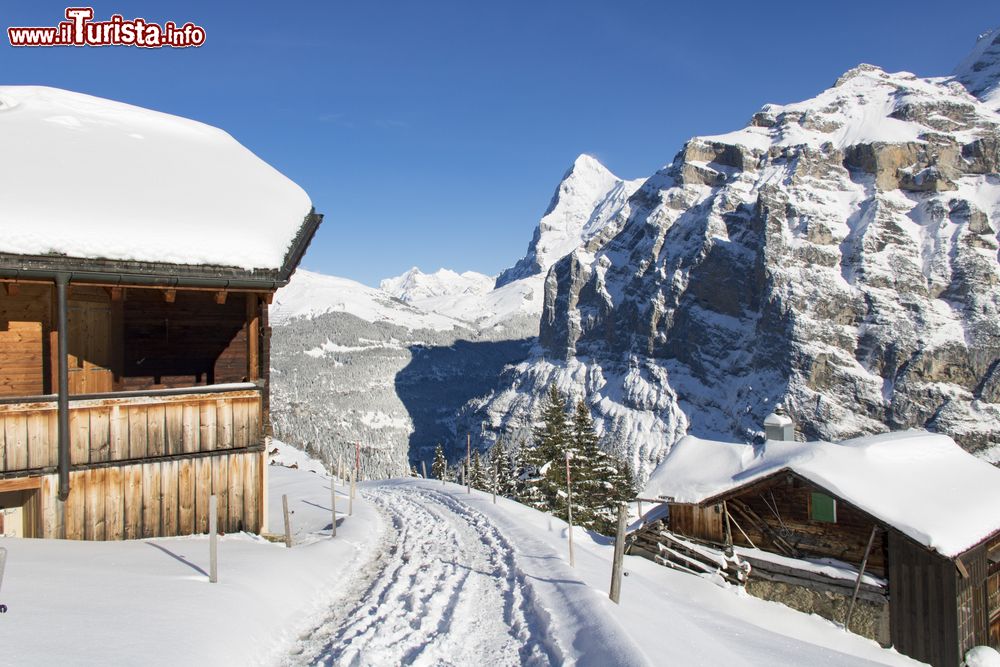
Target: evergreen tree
508,468
605,481
477,475
439,468
545,461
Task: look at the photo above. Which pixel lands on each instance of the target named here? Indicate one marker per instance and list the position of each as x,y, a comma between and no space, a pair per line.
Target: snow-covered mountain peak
586,200
309,295
980,71
865,105
415,285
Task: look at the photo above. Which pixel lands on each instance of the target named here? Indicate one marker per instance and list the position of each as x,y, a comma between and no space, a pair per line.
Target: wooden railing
129,426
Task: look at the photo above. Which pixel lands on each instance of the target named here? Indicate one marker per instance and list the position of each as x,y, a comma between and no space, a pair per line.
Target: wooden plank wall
845,540
123,429
704,523
192,341
25,330
923,593
156,499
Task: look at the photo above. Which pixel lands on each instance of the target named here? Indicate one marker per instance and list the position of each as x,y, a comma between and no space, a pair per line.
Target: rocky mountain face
838,255
584,205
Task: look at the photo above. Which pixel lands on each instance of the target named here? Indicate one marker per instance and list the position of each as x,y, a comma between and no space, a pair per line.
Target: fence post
333,506
350,499
616,564
423,466
288,525
494,484
213,539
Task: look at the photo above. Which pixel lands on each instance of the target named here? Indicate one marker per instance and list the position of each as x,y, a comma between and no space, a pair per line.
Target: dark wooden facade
939,607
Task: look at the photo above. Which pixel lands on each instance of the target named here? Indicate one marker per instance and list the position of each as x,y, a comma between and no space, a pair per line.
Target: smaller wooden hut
912,510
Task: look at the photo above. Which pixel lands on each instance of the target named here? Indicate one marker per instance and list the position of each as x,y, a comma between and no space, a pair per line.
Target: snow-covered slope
839,255
88,177
309,295
585,202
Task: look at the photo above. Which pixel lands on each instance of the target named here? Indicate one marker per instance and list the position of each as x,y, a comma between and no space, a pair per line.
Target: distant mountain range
838,255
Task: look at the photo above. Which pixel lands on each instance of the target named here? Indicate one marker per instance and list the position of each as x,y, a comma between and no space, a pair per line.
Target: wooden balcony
143,464
129,426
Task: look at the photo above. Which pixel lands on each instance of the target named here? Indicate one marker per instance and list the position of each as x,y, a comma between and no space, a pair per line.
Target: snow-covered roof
91,178
920,483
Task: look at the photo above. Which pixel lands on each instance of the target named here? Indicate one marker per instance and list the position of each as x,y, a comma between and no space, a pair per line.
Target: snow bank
149,601
88,177
912,480
982,656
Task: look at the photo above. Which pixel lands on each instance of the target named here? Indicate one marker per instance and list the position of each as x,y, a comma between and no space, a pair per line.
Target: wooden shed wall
704,523
783,505
156,498
923,620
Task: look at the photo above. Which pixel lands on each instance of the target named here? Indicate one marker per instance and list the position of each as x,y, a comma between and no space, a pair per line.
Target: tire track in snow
443,588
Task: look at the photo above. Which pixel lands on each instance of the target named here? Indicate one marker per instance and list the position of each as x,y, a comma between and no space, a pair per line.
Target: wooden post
213,539
861,573
423,466
461,475
350,499
357,460
569,509
468,463
494,484
729,528
288,526
616,563
640,508
333,507
340,466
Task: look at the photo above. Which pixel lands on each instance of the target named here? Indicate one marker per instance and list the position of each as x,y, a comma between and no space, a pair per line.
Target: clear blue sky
433,133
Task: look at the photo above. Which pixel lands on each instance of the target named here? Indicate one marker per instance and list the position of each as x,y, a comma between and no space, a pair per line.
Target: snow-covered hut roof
922,484
86,177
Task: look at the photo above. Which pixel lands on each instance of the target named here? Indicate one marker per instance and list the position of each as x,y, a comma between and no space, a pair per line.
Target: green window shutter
822,508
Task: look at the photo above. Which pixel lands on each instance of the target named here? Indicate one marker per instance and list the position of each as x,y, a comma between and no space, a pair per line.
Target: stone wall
870,619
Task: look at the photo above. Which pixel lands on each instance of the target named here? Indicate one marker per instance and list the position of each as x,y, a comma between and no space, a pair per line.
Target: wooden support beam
116,293
11,289
253,338
961,568
220,297
268,297
170,295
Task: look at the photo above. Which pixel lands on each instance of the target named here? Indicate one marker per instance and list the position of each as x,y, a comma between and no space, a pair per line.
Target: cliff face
839,255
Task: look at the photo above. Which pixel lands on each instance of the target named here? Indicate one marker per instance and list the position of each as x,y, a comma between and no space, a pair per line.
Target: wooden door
89,344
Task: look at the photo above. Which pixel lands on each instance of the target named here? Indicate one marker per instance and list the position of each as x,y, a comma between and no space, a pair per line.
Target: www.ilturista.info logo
79,29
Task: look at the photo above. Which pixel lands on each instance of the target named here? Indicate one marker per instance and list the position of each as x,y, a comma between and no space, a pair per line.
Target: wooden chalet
913,512
132,385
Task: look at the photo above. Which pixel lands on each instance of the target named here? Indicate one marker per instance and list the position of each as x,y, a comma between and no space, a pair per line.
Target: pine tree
545,460
439,468
605,481
509,469
477,475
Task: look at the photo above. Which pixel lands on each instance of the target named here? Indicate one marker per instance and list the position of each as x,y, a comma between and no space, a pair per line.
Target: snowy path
443,589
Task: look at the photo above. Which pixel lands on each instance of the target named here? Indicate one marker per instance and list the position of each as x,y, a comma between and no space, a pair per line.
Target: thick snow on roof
88,177
923,484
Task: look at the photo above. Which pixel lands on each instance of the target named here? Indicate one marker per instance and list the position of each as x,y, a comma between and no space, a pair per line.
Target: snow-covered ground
422,573
149,601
